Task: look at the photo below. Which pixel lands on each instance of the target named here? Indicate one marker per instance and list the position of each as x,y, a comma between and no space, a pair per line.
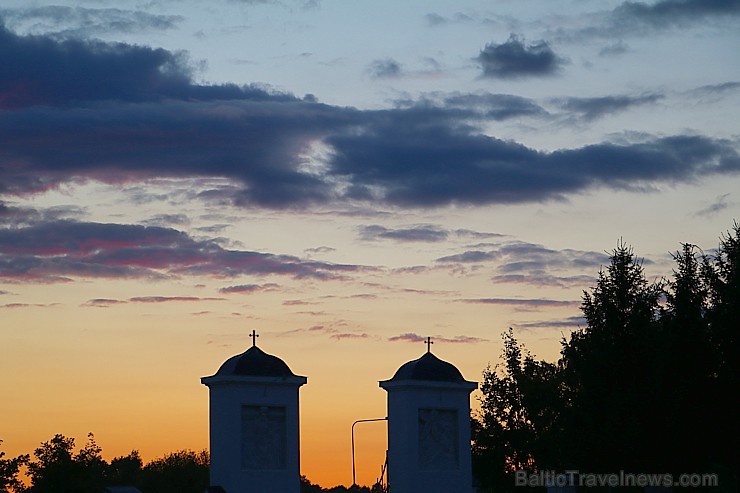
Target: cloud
543,279
319,250
42,71
484,106
434,19
434,165
614,49
513,59
675,12
525,303
11,215
714,208
103,302
145,119
631,18
477,234
84,22
249,288
408,337
714,90
574,322
385,69
59,251
167,219
589,109
518,256
532,264
470,256
13,306
418,233
168,299
107,302
413,337
350,335
298,302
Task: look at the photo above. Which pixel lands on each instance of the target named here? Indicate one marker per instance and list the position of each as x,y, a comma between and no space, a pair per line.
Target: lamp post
354,477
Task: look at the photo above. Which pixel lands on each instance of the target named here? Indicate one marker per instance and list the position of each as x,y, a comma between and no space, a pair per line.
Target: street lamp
354,477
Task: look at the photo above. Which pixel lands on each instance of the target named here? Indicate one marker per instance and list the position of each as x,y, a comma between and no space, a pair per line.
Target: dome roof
430,368
254,362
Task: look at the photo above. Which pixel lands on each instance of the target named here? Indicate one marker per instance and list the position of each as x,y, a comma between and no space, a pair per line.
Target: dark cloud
433,165
13,306
167,219
672,12
471,256
714,90
485,106
319,250
85,22
434,19
614,49
589,109
38,70
259,145
249,288
525,303
145,119
514,59
477,234
168,299
632,18
60,251
543,279
385,69
418,233
570,322
11,215
104,302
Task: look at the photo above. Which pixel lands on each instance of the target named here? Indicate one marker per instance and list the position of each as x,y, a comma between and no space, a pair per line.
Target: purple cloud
413,337
62,250
526,303
249,288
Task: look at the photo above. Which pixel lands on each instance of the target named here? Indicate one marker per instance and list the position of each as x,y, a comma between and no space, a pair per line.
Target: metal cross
254,335
429,344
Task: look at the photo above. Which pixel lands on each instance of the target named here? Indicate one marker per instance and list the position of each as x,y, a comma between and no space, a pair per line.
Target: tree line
649,385
55,467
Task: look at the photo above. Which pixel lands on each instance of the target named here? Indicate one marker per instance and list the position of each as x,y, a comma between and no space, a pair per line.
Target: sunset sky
344,177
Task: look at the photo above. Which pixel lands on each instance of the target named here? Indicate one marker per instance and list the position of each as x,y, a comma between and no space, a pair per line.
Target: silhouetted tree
125,470
649,385
184,471
612,371
722,272
55,469
308,487
9,471
517,428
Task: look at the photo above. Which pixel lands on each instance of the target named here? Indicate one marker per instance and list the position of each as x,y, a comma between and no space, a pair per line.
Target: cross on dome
429,344
254,335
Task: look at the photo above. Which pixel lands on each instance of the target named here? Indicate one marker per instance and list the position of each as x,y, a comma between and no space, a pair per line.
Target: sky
344,177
